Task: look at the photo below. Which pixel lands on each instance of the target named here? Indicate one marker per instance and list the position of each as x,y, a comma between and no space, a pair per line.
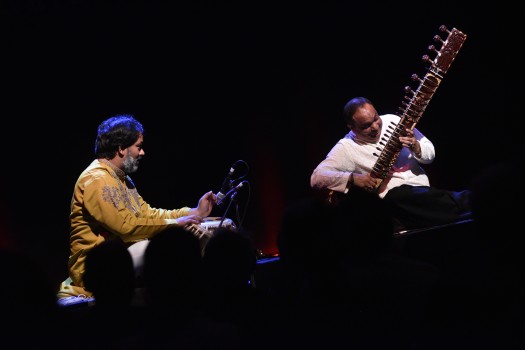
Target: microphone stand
232,198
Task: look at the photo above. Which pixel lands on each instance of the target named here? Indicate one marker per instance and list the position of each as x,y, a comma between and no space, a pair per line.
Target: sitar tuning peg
438,39
443,28
433,48
426,58
415,77
408,90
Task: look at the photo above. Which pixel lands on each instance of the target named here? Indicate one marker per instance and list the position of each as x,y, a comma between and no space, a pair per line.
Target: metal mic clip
231,193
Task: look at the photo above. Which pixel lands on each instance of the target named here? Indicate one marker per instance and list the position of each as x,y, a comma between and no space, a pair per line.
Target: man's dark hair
352,106
121,130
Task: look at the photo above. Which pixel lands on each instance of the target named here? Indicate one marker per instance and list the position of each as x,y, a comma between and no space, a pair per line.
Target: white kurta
353,155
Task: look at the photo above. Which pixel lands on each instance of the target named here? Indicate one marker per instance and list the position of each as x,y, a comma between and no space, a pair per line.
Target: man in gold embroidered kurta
106,204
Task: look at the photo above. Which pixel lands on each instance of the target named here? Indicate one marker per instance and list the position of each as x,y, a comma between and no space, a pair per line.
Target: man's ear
120,151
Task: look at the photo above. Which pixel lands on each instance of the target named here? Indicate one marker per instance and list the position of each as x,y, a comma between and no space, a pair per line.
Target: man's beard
130,164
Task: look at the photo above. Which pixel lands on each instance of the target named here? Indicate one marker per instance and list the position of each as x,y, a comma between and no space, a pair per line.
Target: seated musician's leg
137,251
423,207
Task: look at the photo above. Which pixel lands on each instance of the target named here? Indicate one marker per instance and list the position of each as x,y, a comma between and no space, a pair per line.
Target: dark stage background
214,82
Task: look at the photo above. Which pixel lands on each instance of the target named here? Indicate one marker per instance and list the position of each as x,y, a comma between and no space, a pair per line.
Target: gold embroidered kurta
106,203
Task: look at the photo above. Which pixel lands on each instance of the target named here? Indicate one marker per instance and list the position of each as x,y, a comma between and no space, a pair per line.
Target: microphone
226,185
231,192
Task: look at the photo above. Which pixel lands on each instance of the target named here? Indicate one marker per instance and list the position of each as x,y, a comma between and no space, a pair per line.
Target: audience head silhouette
229,259
172,266
303,233
362,224
497,216
109,273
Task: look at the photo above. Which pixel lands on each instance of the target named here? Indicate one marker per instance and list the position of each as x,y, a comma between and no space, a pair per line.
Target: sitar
417,100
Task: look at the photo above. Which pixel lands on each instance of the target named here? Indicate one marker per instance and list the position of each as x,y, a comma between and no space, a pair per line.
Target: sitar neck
416,101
